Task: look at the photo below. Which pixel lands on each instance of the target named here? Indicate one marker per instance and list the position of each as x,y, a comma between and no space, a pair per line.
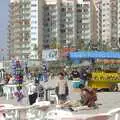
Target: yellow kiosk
104,80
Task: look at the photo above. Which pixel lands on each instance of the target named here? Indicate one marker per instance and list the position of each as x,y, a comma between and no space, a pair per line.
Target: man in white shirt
62,89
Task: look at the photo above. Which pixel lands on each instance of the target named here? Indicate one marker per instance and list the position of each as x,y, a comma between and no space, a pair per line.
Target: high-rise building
118,23
40,24
60,23
19,29
108,23
66,23
36,29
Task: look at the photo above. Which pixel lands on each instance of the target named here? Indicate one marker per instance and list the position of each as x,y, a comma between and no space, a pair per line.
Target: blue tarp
94,55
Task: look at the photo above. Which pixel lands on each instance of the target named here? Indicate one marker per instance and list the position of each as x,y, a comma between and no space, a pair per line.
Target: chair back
115,113
1,116
99,117
6,90
57,114
52,95
87,117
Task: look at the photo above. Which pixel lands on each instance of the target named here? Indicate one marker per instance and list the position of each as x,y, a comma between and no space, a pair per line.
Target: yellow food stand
104,80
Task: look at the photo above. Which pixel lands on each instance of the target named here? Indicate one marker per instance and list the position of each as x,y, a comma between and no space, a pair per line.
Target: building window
34,22
48,19
33,5
63,9
79,10
48,30
79,5
62,31
104,4
33,11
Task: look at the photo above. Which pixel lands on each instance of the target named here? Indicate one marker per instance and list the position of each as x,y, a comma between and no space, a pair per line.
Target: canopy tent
94,55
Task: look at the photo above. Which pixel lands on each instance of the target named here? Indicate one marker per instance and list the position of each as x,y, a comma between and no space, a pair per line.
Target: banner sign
66,50
50,55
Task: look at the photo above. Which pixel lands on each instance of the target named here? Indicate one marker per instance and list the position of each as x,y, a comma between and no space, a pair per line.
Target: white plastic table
19,110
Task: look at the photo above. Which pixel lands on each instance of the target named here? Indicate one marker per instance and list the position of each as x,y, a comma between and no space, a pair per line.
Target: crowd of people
36,90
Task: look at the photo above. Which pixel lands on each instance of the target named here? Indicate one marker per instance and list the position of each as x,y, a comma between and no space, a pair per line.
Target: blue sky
3,23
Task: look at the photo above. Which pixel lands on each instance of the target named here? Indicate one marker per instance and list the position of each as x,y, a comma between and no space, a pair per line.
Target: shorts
32,98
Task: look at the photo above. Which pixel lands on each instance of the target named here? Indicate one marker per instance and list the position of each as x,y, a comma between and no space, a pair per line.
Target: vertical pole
3,62
117,116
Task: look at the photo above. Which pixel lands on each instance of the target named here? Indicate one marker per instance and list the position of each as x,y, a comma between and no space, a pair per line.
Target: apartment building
103,9
34,29
35,25
108,23
118,23
41,24
66,22
19,29
59,23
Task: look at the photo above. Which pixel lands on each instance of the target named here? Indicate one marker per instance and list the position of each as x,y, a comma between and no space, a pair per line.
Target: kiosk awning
94,55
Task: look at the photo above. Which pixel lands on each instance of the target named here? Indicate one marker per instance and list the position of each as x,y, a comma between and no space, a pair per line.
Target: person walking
62,89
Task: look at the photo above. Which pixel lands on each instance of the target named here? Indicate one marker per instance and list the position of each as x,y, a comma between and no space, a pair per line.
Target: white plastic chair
6,91
99,117
87,117
115,113
9,90
57,114
54,96
19,113
31,114
22,112
1,116
41,109
9,111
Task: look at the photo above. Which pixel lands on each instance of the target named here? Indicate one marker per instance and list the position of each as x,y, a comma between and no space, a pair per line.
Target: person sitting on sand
88,97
